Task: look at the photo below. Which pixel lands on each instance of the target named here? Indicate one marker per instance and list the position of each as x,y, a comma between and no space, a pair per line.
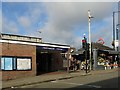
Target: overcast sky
59,22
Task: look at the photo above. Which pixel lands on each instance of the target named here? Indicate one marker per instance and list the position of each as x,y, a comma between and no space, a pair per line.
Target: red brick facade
22,50
18,50
58,61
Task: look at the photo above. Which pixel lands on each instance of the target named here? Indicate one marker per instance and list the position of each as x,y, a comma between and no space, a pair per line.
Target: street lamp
39,32
89,20
117,31
117,41
114,27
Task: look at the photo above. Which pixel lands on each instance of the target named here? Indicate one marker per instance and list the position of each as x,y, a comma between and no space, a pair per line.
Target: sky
58,22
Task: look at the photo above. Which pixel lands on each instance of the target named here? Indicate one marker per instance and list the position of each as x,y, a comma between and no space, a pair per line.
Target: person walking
77,64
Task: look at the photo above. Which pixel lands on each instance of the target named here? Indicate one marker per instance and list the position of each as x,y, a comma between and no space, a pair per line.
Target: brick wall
57,61
20,51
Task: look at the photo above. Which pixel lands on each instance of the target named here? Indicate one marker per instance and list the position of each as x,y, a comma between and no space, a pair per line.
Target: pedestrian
71,66
74,64
83,65
88,65
77,64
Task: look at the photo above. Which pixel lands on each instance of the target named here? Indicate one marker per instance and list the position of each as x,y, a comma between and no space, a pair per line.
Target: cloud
0,16
60,21
64,17
23,18
105,31
9,26
24,21
31,18
60,1
0,20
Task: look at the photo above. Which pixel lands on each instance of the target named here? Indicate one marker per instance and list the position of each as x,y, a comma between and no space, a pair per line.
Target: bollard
114,65
105,67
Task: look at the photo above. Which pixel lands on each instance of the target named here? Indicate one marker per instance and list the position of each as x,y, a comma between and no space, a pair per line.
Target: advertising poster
23,64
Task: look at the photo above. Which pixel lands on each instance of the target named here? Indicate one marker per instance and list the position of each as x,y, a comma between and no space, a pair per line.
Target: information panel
23,63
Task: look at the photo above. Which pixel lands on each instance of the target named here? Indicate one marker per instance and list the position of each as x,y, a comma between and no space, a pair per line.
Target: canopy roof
78,52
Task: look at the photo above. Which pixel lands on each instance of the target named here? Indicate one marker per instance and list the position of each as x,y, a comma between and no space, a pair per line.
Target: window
15,63
2,63
7,63
23,63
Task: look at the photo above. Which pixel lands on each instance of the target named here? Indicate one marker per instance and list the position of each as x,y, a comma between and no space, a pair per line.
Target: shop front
105,59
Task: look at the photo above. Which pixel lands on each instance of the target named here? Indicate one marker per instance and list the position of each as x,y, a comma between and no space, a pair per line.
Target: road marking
94,86
78,84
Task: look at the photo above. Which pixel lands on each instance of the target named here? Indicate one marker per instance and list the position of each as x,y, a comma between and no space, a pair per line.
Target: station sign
53,48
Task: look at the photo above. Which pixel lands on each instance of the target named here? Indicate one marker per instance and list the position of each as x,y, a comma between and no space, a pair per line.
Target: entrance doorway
44,63
48,61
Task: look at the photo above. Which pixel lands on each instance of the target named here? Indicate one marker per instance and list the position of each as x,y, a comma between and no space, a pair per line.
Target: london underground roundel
101,41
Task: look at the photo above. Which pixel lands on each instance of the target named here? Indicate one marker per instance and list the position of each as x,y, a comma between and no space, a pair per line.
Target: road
108,80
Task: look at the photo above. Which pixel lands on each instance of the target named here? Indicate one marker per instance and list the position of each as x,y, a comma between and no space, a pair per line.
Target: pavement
59,75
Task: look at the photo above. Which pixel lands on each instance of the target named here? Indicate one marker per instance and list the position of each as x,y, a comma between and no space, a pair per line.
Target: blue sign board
52,48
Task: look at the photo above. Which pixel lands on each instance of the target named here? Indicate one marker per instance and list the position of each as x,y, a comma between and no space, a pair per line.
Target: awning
112,52
48,46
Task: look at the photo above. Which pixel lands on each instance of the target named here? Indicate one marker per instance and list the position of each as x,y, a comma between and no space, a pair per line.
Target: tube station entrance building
23,56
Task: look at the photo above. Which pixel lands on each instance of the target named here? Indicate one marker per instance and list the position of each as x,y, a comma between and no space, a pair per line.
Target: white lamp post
89,20
114,27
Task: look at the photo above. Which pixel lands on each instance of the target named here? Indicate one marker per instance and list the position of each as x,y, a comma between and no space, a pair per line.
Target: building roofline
20,35
55,44
20,38
34,44
30,42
